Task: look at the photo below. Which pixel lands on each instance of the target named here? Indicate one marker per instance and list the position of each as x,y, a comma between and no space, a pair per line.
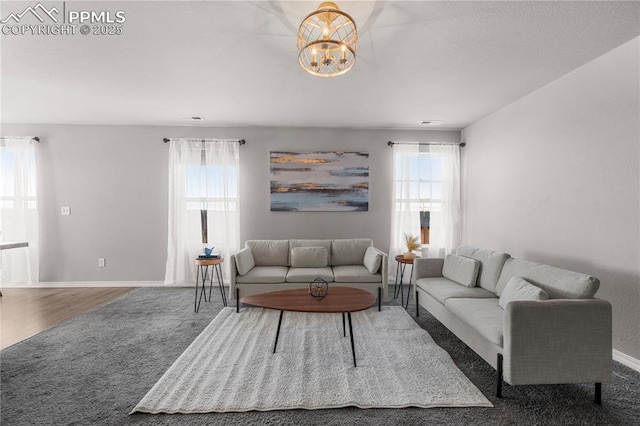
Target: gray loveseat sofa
270,265
534,323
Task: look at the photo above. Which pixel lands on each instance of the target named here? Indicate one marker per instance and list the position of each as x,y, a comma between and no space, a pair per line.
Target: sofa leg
379,299
417,305
598,398
237,300
499,383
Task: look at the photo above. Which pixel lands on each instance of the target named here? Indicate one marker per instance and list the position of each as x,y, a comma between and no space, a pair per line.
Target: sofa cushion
491,263
269,252
312,243
372,260
309,257
306,275
462,270
558,283
349,251
483,315
354,274
264,274
442,289
520,289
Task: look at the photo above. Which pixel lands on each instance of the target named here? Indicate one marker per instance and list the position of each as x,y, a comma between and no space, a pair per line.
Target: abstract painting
319,181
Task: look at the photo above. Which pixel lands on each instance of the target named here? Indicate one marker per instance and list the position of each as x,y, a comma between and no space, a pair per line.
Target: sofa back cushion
312,243
309,257
372,260
462,270
520,289
244,261
558,283
269,252
349,251
491,263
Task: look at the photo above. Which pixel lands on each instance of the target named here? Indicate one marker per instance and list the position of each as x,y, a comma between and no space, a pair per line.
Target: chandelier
327,41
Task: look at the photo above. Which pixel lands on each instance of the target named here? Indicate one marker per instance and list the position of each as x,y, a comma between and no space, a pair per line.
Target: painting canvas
319,181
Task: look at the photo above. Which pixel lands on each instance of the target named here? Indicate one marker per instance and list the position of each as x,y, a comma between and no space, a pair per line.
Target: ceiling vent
432,122
192,117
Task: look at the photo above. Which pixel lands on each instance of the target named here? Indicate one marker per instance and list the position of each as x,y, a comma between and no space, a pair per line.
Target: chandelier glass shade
327,41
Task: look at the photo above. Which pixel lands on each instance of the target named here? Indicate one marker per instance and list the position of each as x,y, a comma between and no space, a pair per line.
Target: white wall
554,178
114,178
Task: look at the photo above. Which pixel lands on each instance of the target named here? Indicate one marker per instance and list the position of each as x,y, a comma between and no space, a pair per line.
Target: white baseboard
627,360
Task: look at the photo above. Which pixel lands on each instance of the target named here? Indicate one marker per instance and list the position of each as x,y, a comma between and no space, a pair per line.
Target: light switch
65,211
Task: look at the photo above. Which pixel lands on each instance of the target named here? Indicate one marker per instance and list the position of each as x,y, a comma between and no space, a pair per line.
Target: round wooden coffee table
338,300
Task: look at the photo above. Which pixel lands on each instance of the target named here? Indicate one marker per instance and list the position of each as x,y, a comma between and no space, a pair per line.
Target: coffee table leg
353,349
344,330
275,345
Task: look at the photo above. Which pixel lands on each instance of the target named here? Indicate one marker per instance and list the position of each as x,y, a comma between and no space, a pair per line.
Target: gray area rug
95,368
230,367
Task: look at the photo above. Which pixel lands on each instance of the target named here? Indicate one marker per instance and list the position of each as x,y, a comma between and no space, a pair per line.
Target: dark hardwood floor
25,312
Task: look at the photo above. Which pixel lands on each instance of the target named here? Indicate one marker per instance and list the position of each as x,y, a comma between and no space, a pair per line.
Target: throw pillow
309,257
460,269
520,289
372,260
244,261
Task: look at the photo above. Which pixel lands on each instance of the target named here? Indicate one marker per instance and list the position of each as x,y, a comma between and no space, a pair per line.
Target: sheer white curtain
426,178
19,210
405,213
445,225
203,175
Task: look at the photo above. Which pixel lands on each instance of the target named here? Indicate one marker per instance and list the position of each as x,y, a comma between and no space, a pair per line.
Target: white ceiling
235,63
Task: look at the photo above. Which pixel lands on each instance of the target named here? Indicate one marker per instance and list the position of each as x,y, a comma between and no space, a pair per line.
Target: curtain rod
240,141
35,138
462,144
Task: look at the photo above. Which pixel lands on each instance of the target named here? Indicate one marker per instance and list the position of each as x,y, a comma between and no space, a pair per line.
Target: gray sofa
534,323
270,265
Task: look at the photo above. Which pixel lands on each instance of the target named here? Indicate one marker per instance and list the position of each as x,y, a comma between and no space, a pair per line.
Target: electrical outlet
65,211
101,262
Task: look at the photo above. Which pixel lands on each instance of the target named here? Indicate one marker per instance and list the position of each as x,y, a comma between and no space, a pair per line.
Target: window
425,189
205,191
206,194
19,209
426,197
17,191
203,203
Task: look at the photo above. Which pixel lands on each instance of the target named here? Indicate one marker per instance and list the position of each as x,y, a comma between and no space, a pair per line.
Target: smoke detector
192,117
432,122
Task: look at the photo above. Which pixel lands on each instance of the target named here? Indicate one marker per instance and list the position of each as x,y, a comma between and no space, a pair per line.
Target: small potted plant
413,243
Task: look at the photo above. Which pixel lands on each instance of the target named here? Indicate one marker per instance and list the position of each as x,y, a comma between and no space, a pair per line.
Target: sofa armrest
427,268
384,271
557,341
